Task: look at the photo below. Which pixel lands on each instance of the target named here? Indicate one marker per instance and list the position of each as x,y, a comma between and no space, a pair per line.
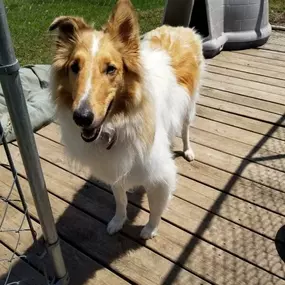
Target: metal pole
13,92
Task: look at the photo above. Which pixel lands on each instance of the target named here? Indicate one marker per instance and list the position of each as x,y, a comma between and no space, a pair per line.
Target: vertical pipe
13,92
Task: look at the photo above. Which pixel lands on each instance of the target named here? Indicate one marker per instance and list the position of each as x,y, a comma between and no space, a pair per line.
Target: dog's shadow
86,245
178,153
89,234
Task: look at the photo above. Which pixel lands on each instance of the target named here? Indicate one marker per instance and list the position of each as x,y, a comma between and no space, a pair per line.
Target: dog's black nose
83,116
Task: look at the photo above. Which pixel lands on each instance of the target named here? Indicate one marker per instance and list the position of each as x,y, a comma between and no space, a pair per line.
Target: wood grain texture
260,53
241,110
245,83
273,47
223,121
232,86
230,70
20,270
91,272
249,64
241,100
122,254
178,210
98,203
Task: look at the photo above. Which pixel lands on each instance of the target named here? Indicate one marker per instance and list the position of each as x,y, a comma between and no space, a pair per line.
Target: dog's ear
123,28
123,23
68,27
69,30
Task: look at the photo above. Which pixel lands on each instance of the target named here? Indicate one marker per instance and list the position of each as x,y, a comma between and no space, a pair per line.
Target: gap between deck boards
91,205
195,210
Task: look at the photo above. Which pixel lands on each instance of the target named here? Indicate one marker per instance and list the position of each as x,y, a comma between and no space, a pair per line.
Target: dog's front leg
120,217
158,196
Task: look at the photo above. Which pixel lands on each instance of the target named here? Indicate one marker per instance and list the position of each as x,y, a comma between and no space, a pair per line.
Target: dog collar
112,141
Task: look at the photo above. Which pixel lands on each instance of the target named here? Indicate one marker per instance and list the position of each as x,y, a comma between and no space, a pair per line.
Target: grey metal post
13,92
178,12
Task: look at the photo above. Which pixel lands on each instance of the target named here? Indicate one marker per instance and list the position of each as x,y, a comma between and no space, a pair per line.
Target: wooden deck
225,224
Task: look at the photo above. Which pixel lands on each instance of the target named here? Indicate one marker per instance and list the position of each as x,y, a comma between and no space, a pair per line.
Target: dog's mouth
92,133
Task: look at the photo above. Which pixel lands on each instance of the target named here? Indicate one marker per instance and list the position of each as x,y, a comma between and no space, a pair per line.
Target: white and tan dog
121,100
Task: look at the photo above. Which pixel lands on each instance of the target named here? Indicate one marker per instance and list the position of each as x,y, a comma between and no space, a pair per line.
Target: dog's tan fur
149,94
184,48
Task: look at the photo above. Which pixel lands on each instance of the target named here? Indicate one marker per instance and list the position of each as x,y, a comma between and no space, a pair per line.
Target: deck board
241,110
232,86
186,209
56,157
262,53
260,59
22,271
76,261
236,125
242,62
89,234
222,225
251,85
273,47
224,69
240,100
253,192
239,149
253,171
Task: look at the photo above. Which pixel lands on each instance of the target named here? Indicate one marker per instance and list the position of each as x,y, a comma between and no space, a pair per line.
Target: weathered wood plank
230,70
21,272
183,208
243,100
234,209
235,165
273,47
255,65
245,83
235,125
277,56
226,182
240,149
280,35
277,40
241,110
276,34
100,203
276,146
242,90
258,191
220,137
91,205
123,255
91,272
255,172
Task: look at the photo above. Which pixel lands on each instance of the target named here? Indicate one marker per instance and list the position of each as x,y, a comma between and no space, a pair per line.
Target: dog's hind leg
120,217
187,149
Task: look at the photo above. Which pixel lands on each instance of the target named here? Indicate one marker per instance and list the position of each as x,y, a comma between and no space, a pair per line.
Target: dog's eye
75,67
111,69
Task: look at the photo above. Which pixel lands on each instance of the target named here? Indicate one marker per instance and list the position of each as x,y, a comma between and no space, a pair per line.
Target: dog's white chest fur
125,162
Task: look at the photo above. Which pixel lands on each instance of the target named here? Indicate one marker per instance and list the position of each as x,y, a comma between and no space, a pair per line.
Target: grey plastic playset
223,24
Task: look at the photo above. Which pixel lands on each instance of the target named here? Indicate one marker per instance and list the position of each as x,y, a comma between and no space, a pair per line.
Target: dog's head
97,73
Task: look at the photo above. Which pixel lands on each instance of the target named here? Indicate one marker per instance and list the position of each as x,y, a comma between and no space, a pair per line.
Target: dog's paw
189,154
148,232
115,225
